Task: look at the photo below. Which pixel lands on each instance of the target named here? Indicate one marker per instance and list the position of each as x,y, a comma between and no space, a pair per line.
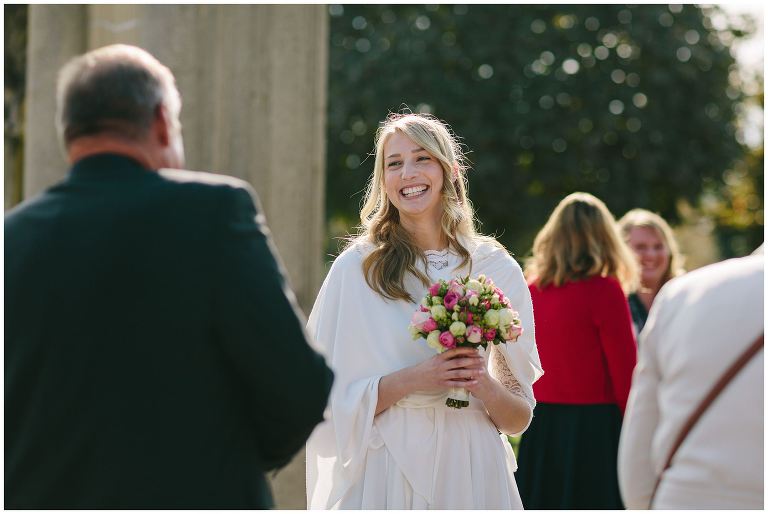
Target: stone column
253,81
56,34
111,23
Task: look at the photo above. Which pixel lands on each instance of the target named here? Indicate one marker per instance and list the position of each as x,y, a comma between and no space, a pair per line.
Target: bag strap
725,379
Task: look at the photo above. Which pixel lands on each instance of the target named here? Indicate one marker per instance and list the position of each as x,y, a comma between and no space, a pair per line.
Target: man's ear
161,125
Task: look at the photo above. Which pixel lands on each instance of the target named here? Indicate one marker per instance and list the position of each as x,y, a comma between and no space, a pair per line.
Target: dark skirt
568,458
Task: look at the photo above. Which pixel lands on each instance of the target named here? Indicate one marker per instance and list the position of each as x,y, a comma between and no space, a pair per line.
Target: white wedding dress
418,454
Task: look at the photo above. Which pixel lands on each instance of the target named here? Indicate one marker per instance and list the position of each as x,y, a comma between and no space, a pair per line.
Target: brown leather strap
725,379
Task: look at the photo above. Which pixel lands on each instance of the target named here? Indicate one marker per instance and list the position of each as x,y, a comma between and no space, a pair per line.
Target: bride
389,441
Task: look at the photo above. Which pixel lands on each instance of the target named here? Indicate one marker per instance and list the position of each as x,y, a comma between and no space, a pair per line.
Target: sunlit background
654,106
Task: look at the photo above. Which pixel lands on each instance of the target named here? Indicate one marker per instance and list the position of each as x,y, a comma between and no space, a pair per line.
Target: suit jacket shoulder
202,178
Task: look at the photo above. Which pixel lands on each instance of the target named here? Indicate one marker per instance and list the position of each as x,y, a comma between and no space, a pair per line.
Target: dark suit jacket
154,356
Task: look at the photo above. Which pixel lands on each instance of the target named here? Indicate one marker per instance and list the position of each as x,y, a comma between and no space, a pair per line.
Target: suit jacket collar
107,166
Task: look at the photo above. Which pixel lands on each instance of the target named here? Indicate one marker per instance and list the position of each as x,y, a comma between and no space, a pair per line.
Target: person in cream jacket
698,326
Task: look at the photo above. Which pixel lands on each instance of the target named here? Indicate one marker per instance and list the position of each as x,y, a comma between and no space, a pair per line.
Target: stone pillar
253,81
56,34
111,23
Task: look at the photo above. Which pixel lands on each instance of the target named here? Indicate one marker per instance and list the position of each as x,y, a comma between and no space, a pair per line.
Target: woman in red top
577,277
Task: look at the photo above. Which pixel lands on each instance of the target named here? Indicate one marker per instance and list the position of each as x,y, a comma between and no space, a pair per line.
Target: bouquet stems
458,398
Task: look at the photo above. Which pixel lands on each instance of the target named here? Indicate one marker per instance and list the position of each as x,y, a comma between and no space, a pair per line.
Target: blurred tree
15,40
634,104
739,205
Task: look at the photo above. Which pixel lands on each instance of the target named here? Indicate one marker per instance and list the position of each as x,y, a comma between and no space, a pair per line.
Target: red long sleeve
585,342
614,324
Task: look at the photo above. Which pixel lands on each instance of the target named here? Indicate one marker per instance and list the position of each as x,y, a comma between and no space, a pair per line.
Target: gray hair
115,88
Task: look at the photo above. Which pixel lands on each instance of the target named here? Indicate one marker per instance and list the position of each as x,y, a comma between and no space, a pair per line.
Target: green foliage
738,206
632,104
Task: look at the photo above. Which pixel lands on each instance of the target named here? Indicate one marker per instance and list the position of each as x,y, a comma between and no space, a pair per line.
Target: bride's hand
484,387
460,367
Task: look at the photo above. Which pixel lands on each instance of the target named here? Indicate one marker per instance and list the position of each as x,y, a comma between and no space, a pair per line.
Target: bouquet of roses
464,312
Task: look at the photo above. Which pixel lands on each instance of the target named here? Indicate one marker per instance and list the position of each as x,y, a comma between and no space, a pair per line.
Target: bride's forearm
393,387
509,412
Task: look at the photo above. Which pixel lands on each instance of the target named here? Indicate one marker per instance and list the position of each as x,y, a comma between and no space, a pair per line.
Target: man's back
698,326
149,345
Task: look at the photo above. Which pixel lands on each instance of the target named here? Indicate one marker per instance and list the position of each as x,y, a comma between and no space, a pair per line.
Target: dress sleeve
337,448
521,357
501,372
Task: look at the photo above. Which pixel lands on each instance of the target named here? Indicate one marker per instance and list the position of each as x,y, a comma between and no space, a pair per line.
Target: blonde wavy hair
395,253
641,218
581,239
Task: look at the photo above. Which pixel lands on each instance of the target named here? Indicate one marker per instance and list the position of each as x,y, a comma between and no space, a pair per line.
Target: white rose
474,300
455,316
474,285
439,312
415,332
495,298
506,316
492,318
436,300
425,301
433,340
458,328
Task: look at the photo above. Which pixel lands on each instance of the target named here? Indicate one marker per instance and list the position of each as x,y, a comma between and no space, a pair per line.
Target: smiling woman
390,441
653,242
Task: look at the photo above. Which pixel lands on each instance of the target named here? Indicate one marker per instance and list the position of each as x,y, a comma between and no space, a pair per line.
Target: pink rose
456,288
447,340
434,289
490,334
423,309
429,325
474,334
470,319
450,300
419,318
487,305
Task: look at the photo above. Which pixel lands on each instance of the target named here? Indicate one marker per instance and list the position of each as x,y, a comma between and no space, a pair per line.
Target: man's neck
87,146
